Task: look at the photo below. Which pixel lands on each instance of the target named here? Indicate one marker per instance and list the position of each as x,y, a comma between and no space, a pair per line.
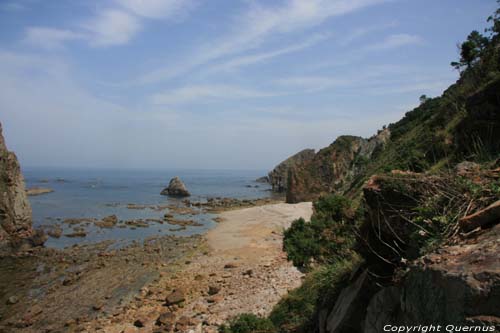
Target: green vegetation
296,311
327,238
248,323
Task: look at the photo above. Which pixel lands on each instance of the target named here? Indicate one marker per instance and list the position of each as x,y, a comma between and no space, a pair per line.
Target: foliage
248,323
295,312
328,237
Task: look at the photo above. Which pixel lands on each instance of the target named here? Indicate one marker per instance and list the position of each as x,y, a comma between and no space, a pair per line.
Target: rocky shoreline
184,283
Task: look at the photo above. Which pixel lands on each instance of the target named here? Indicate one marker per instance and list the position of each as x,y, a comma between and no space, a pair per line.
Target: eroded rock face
333,168
278,177
176,188
15,210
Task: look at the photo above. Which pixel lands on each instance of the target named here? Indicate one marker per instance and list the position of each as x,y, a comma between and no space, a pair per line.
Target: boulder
176,188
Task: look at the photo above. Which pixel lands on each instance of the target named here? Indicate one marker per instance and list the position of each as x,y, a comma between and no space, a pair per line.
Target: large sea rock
176,188
15,210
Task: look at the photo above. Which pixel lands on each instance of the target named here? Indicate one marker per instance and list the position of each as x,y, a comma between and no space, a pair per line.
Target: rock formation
458,283
333,168
278,177
176,188
15,210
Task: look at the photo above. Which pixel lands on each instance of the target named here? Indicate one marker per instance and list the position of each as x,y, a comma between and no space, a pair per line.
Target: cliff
278,177
15,210
332,168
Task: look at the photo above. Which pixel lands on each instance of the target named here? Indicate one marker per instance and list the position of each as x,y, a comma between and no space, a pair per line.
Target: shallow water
99,193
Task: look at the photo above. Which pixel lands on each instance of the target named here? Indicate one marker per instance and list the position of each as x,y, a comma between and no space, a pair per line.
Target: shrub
328,237
248,323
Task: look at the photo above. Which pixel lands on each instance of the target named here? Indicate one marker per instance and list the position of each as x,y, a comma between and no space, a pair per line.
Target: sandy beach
239,268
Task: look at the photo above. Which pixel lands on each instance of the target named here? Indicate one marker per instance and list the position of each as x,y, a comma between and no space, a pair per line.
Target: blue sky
216,84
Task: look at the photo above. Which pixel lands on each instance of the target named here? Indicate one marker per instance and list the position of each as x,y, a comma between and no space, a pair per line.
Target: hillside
406,224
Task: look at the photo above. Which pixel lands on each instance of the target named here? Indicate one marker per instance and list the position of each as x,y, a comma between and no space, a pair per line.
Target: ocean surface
100,193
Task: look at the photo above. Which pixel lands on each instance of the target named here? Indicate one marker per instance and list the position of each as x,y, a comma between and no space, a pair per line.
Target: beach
239,268
196,282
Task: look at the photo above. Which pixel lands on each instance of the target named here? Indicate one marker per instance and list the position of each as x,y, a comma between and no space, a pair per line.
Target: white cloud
206,93
50,38
256,25
115,25
262,57
156,9
112,27
395,41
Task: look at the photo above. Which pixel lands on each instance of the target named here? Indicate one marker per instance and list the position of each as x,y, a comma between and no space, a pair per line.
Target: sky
216,84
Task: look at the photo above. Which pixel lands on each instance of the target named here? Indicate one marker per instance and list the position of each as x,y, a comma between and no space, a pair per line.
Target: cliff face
278,177
457,283
332,168
15,210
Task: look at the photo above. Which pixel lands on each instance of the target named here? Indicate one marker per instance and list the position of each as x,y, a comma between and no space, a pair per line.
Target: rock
332,168
175,297
230,266
454,284
166,319
12,300
213,289
38,191
350,307
55,232
482,218
176,188
215,299
107,222
140,322
382,309
278,177
15,210
264,179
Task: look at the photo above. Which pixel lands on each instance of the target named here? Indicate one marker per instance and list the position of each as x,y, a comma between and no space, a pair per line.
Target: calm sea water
99,193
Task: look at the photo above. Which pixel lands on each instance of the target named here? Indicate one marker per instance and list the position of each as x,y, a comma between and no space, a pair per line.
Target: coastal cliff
333,167
15,210
278,177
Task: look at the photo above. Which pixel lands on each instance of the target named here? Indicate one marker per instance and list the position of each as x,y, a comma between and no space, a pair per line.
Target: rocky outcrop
333,168
457,283
15,210
38,191
278,177
176,188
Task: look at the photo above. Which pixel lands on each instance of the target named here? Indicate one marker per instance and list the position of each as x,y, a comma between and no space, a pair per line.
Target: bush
248,323
328,237
296,312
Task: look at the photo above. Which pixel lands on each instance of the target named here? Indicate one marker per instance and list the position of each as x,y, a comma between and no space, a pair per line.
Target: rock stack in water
176,188
15,210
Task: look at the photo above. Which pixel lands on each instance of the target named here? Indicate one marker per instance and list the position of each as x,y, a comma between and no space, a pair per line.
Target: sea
100,193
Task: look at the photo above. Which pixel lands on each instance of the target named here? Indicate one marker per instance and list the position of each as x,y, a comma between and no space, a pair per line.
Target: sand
253,233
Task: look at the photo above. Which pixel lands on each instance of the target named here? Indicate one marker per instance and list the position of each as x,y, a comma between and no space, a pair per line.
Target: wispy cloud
206,93
113,25
242,61
157,9
50,38
396,40
256,25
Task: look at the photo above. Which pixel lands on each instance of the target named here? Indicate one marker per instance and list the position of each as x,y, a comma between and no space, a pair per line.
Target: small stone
12,300
213,289
175,297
